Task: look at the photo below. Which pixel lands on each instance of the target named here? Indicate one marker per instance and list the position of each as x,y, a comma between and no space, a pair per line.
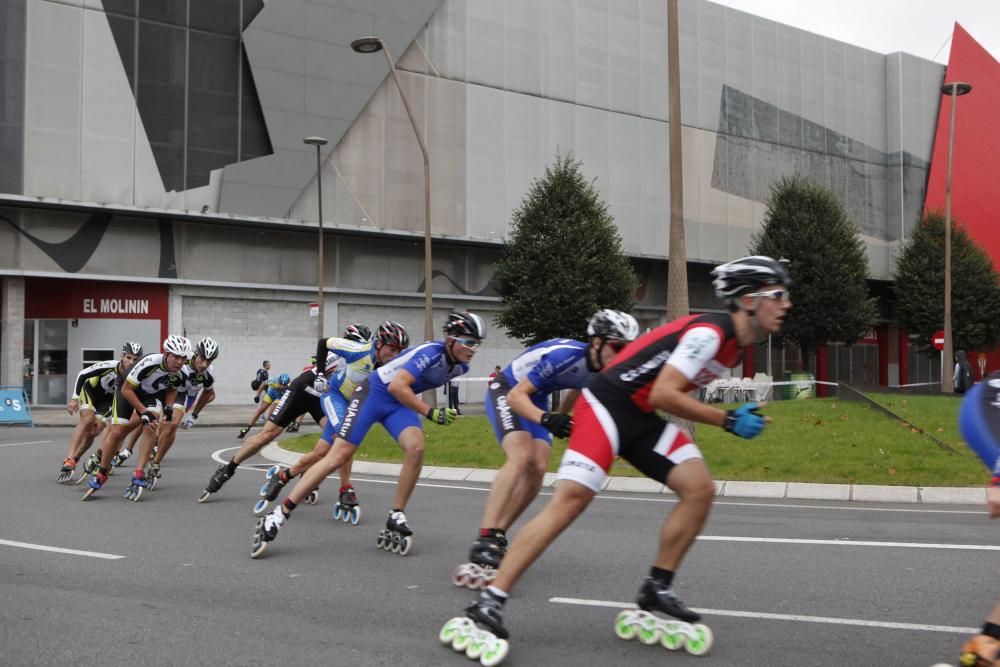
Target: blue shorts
334,407
503,418
371,403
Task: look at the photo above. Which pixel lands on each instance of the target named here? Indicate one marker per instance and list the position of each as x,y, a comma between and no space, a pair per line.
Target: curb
927,495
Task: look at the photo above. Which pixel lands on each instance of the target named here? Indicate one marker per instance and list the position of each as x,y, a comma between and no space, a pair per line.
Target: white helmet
208,349
178,345
613,324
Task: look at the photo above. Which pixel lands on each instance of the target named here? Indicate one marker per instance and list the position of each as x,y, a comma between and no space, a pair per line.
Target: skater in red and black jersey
617,416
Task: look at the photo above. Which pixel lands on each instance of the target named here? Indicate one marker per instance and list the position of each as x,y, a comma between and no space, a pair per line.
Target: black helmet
613,324
359,333
208,349
746,275
132,347
393,333
465,324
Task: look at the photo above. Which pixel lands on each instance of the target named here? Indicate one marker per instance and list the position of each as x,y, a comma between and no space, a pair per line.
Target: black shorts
96,400
294,403
121,410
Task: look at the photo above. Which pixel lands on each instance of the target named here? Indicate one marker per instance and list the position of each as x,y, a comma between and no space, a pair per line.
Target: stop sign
938,340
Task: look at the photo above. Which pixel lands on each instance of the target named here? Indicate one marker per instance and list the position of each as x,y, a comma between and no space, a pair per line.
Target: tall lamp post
319,142
374,45
953,89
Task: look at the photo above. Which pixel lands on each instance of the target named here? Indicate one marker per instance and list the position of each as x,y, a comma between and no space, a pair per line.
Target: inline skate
95,482
480,634
695,638
135,488
90,466
396,537
152,474
219,477
265,531
277,477
67,470
484,559
243,432
347,508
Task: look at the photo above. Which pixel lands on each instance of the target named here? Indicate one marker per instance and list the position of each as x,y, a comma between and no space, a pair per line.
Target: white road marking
20,444
852,543
59,550
786,617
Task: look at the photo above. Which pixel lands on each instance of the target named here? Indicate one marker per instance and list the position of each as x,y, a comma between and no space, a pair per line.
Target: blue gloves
745,421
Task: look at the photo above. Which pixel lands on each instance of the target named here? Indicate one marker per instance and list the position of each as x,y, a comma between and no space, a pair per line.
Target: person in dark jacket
962,378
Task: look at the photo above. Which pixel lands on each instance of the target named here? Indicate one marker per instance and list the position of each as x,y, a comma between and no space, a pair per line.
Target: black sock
231,466
289,506
991,630
661,575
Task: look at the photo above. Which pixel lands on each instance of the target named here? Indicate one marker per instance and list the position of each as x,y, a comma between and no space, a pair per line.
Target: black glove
147,418
559,424
256,398
168,413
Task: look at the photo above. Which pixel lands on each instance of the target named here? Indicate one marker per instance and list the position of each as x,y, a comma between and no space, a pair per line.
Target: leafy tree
563,259
975,294
805,224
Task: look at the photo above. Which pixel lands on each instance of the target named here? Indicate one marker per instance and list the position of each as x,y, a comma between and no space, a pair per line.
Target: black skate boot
292,428
347,508
90,466
265,532
487,612
271,489
396,536
243,432
221,475
484,559
657,596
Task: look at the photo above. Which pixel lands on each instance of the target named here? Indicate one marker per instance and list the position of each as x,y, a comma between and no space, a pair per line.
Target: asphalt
236,416
168,581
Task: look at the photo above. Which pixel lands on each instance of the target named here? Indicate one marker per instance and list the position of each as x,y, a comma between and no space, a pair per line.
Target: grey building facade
159,143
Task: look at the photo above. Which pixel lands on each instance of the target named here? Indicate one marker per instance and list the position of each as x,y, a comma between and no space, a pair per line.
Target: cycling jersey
427,363
550,366
99,379
193,381
356,361
701,347
151,379
298,399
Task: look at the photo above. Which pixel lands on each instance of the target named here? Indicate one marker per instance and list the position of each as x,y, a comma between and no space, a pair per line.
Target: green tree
975,294
563,259
805,224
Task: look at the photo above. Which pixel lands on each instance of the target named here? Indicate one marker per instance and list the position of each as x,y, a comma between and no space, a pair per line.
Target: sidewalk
239,415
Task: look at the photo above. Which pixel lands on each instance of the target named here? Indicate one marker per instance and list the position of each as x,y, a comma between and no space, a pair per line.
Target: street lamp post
373,45
319,142
953,89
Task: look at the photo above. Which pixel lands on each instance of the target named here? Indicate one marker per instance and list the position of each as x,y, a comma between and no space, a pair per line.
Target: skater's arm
401,389
206,397
993,500
568,400
519,399
128,393
669,394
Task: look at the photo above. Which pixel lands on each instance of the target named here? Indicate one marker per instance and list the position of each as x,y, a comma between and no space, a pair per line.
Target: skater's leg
568,502
339,453
257,442
411,440
527,484
147,439
692,483
306,461
166,435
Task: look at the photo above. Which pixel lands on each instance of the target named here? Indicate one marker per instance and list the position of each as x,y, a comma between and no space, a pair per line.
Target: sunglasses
776,294
468,343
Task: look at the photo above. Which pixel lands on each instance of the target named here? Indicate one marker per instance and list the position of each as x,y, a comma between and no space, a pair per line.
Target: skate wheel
88,493
460,577
260,507
355,515
672,641
127,494
258,548
495,653
204,496
336,512
263,490
650,636
476,647
462,639
702,643
151,484
454,627
624,627
271,472
312,498
404,545
380,541
137,494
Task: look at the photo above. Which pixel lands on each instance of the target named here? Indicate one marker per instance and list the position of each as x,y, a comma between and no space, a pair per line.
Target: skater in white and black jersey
617,416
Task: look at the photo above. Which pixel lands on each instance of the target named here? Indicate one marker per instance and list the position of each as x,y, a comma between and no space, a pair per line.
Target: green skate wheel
495,653
672,641
702,644
476,647
624,627
452,628
649,636
462,639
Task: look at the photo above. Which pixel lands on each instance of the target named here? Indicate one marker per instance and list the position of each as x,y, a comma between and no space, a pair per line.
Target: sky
918,27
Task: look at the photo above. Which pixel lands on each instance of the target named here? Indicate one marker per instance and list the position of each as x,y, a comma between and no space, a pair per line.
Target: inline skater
92,395
260,380
517,404
616,416
979,420
275,388
146,394
391,397
390,340
301,397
